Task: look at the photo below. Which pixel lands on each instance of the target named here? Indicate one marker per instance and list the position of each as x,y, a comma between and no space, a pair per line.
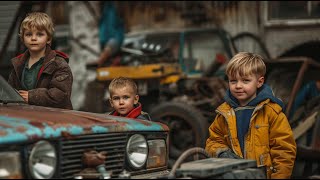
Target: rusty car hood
19,123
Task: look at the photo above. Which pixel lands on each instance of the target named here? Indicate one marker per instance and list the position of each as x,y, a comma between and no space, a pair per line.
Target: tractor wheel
188,127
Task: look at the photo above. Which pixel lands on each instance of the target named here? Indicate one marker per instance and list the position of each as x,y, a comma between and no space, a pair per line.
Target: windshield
201,49
7,93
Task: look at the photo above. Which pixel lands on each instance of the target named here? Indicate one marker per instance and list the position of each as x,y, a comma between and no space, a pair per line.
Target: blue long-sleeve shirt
111,26
307,92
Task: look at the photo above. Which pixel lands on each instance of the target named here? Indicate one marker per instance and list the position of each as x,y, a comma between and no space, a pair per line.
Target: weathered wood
304,126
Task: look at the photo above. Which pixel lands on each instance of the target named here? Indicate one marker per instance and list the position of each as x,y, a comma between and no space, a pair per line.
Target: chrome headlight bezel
137,151
42,149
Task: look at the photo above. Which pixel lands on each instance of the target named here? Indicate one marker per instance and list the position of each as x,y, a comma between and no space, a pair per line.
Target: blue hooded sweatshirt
244,113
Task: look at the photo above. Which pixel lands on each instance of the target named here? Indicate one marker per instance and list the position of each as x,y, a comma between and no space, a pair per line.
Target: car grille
72,151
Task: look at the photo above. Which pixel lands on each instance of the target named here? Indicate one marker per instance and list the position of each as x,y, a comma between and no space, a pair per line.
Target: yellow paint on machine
148,71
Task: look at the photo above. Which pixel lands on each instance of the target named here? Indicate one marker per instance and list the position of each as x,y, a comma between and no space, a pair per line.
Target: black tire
188,127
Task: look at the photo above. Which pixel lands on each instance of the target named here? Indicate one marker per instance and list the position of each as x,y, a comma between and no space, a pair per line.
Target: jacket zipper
229,133
250,125
225,117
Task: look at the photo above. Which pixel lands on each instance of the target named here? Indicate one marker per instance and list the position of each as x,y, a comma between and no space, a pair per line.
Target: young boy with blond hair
41,75
250,124
124,99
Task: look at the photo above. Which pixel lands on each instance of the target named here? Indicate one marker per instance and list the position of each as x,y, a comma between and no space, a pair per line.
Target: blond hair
245,64
38,20
121,82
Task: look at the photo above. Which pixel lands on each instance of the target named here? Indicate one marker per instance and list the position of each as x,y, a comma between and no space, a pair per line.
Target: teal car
41,142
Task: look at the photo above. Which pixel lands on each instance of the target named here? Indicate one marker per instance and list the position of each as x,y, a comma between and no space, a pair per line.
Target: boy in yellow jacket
251,123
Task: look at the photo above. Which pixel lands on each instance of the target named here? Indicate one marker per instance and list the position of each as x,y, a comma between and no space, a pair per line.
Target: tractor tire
188,127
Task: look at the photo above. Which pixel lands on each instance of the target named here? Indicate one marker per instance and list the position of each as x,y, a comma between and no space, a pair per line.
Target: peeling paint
3,133
25,123
21,129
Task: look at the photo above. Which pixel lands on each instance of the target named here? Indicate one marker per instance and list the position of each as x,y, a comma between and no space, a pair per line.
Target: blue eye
126,97
115,98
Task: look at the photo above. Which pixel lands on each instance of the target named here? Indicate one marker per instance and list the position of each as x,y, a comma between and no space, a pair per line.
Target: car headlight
10,165
157,156
137,151
42,160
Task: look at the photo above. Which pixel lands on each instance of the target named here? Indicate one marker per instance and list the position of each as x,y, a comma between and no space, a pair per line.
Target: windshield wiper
11,101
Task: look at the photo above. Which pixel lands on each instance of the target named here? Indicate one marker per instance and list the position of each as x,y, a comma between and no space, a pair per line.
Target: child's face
35,40
123,100
245,88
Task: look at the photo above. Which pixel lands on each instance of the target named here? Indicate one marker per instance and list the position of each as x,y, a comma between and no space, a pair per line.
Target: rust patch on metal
31,137
5,125
87,130
164,126
67,135
96,119
37,124
21,129
3,133
144,122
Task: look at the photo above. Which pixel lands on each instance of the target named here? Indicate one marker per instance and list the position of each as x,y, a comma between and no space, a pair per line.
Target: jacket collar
225,107
134,113
263,93
22,58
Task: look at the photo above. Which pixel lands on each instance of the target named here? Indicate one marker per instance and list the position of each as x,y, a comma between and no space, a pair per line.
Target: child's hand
24,95
228,154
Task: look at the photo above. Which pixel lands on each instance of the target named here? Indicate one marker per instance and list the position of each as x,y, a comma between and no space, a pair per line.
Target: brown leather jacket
54,84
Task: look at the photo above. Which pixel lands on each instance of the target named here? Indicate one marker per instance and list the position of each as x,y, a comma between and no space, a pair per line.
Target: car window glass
7,92
201,49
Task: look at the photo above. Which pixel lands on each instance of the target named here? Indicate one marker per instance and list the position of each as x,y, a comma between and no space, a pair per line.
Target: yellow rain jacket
269,139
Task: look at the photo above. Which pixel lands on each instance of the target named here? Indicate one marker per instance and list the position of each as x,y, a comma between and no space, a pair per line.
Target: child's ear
136,99
260,81
49,41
